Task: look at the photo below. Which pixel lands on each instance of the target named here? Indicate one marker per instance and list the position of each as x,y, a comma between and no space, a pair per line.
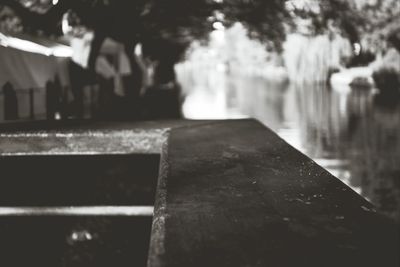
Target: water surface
353,133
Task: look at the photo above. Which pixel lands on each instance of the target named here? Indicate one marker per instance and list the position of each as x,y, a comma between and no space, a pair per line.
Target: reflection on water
353,134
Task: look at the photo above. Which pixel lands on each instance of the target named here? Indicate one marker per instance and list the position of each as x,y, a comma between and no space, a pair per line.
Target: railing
56,102
11,102
47,102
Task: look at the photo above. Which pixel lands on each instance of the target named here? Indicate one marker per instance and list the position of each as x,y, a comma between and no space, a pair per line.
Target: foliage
382,25
267,20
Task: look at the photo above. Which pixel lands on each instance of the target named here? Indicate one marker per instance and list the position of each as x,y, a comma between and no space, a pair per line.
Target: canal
353,133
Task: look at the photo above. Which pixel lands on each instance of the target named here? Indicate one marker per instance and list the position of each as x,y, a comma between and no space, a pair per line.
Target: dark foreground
229,193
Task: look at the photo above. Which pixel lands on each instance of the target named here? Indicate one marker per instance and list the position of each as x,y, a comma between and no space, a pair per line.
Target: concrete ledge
232,193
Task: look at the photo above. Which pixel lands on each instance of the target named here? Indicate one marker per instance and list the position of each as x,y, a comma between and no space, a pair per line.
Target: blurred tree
183,21
383,23
175,23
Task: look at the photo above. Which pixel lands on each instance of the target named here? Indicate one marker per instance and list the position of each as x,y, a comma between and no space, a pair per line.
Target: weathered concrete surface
85,138
232,193
80,139
235,194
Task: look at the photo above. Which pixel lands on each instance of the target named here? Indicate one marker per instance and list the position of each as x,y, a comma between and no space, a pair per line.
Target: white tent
28,63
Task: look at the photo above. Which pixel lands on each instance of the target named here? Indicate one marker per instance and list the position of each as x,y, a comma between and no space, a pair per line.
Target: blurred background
324,75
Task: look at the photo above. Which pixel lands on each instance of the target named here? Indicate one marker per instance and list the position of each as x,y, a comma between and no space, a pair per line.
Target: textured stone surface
235,194
230,193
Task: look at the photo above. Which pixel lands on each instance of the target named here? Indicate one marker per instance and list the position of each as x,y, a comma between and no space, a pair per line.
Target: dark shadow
10,102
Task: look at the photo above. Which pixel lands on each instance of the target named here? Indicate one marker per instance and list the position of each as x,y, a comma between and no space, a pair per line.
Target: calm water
354,134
